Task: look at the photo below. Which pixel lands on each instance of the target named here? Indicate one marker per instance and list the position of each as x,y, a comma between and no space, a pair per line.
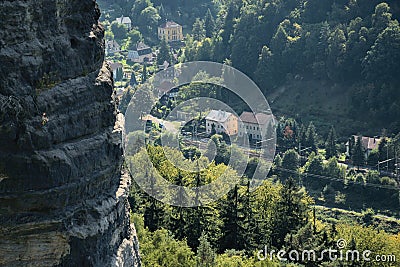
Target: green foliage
314,165
148,21
205,254
198,30
134,36
330,144
160,249
291,211
264,72
48,81
311,136
382,59
144,73
209,24
119,31
358,157
204,50
290,160
164,53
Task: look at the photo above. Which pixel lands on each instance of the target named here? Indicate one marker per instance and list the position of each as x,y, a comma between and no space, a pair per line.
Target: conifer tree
209,24
164,53
330,144
205,254
358,153
291,211
144,73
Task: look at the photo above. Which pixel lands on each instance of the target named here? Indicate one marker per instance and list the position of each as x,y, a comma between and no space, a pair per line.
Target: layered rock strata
63,193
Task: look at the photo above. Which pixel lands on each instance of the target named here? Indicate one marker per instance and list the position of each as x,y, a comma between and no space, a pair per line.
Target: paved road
169,126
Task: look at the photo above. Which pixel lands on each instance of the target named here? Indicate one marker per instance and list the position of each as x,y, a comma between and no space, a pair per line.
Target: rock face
63,193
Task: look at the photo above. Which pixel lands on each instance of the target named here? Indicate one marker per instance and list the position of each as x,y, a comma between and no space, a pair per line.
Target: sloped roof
170,24
123,20
369,143
218,115
115,65
259,118
142,46
112,43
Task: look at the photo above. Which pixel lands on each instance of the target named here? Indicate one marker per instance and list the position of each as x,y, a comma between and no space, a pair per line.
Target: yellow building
222,122
170,31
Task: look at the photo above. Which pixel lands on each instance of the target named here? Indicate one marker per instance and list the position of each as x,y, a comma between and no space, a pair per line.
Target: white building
221,121
126,21
115,67
112,47
254,126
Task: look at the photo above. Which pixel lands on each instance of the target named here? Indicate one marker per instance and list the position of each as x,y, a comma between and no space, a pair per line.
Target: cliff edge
63,193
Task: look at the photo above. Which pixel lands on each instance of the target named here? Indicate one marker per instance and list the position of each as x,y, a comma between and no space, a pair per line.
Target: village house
222,122
116,68
170,31
112,47
368,143
254,126
141,53
126,21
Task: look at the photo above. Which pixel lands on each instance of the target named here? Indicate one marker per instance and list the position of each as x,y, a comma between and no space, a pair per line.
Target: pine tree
231,230
310,137
264,71
291,212
249,225
153,210
162,13
133,82
178,218
144,73
198,30
330,144
290,160
358,153
209,24
205,254
164,53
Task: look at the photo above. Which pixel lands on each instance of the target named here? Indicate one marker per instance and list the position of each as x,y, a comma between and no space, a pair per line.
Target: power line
306,174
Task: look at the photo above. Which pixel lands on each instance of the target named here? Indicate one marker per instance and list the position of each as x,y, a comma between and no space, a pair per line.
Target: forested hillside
335,58
329,69
350,49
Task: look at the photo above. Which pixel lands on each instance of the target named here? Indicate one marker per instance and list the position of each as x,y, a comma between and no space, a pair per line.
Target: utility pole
387,157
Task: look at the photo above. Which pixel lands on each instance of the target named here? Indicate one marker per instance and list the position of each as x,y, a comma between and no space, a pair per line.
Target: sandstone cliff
63,194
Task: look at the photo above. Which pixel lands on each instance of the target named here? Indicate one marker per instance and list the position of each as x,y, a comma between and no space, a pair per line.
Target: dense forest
230,231
343,50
